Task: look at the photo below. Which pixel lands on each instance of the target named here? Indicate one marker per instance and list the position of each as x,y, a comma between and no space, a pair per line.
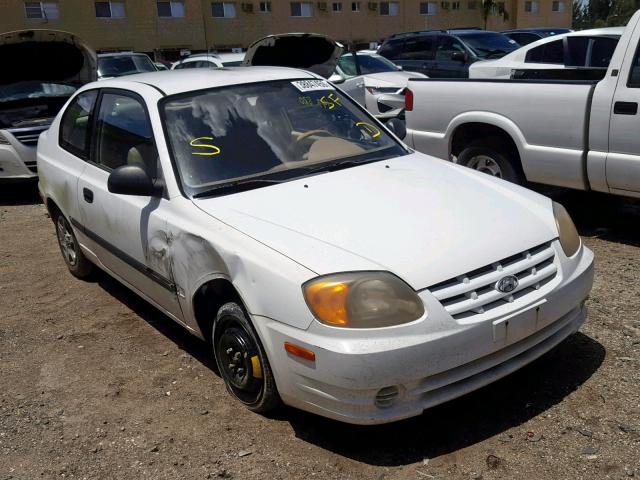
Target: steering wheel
314,132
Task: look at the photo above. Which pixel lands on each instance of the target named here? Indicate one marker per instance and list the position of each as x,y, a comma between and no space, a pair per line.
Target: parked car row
576,134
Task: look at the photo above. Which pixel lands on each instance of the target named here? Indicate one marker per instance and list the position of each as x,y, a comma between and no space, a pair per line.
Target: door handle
625,108
88,195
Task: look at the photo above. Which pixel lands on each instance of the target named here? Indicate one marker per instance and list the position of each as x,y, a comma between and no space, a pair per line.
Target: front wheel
489,157
242,361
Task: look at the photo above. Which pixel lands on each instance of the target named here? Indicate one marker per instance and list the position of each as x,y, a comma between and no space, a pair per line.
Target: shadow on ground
440,430
23,193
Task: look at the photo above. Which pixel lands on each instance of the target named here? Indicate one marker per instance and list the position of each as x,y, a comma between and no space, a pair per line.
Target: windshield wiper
339,165
497,51
237,186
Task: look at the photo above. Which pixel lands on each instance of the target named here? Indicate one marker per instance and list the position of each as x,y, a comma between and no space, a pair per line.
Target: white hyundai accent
328,265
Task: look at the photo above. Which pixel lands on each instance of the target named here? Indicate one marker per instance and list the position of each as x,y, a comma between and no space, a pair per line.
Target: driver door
127,231
446,64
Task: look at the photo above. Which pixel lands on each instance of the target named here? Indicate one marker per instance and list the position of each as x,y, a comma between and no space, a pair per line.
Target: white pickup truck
582,135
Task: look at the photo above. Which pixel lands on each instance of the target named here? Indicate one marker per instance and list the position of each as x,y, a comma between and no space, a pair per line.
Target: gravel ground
95,383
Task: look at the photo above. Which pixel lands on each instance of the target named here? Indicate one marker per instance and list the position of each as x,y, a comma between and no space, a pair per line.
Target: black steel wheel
242,361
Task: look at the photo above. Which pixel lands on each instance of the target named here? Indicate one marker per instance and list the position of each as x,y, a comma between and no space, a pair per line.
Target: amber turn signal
328,300
299,351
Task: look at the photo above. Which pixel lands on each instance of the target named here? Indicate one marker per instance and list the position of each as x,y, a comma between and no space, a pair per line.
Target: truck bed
548,120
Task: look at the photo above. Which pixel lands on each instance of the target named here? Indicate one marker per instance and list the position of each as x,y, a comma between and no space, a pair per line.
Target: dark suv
445,53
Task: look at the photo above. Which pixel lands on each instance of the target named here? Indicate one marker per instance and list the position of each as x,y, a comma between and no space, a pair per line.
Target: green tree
491,6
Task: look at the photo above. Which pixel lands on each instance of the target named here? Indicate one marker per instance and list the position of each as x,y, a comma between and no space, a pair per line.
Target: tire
242,361
494,157
76,262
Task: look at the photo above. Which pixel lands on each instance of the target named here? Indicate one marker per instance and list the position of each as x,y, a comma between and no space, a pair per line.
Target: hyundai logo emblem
507,284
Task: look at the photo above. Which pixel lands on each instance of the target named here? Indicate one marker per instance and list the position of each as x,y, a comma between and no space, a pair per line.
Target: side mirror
398,127
132,180
337,79
459,57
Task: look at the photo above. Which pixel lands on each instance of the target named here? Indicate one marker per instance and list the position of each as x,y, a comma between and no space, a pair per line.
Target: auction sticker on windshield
311,85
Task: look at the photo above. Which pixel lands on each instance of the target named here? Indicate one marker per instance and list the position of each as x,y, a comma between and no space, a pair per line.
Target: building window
171,9
265,7
223,9
445,5
557,6
336,7
455,5
472,5
301,9
389,8
428,8
110,10
43,10
495,8
355,6
531,6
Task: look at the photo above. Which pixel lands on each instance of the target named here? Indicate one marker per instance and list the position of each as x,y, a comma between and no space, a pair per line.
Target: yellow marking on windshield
328,102
214,150
370,129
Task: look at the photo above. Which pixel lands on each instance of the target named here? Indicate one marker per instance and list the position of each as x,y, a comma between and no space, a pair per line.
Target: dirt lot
95,383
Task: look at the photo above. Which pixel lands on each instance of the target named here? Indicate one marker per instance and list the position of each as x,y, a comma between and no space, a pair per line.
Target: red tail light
408,100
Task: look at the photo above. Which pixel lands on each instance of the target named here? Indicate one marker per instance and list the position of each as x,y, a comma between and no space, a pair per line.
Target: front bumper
17,161
427,362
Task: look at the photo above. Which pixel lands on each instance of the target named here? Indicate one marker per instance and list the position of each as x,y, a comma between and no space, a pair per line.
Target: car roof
538,29
172,82
454,32
121,54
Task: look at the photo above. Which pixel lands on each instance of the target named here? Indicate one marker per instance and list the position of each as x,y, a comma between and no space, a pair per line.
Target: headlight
3,140
569,238
380,90
362,300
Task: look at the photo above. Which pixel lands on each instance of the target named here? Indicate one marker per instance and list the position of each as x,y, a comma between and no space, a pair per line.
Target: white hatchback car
329,266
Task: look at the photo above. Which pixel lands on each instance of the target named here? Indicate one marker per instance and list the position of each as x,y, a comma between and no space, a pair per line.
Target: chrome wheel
66,241
485,164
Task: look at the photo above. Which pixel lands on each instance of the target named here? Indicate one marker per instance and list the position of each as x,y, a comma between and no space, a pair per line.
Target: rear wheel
493,157
242,361
77,263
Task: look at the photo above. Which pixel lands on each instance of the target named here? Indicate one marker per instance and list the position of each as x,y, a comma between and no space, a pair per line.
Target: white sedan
384,82
582,55
327,265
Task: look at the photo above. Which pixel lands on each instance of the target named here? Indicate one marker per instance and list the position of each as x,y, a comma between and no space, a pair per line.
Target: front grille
28,136
475,293
33,166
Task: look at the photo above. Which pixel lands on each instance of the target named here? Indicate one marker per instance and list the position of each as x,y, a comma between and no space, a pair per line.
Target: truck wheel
77,263
490,157
242,361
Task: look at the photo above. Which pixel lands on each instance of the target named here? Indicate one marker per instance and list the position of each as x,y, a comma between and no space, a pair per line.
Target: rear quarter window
75,126
552,52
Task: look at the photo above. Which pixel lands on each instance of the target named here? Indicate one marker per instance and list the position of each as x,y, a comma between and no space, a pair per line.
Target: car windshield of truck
27,90
489,44
368,64
124,65
268,132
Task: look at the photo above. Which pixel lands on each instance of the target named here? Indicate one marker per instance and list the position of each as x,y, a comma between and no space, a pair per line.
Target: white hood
383,79
426,220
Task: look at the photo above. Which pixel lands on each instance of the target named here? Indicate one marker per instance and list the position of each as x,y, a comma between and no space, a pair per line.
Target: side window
577,48
601,52
552,52
418,48
447,46
124,134
634,75
391,50
75,127
181,66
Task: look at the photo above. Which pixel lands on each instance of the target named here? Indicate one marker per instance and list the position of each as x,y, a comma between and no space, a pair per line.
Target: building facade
167,28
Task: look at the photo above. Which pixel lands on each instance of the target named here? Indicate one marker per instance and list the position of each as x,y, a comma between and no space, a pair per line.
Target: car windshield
368,64
269,130
489,44
124,65
25,90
